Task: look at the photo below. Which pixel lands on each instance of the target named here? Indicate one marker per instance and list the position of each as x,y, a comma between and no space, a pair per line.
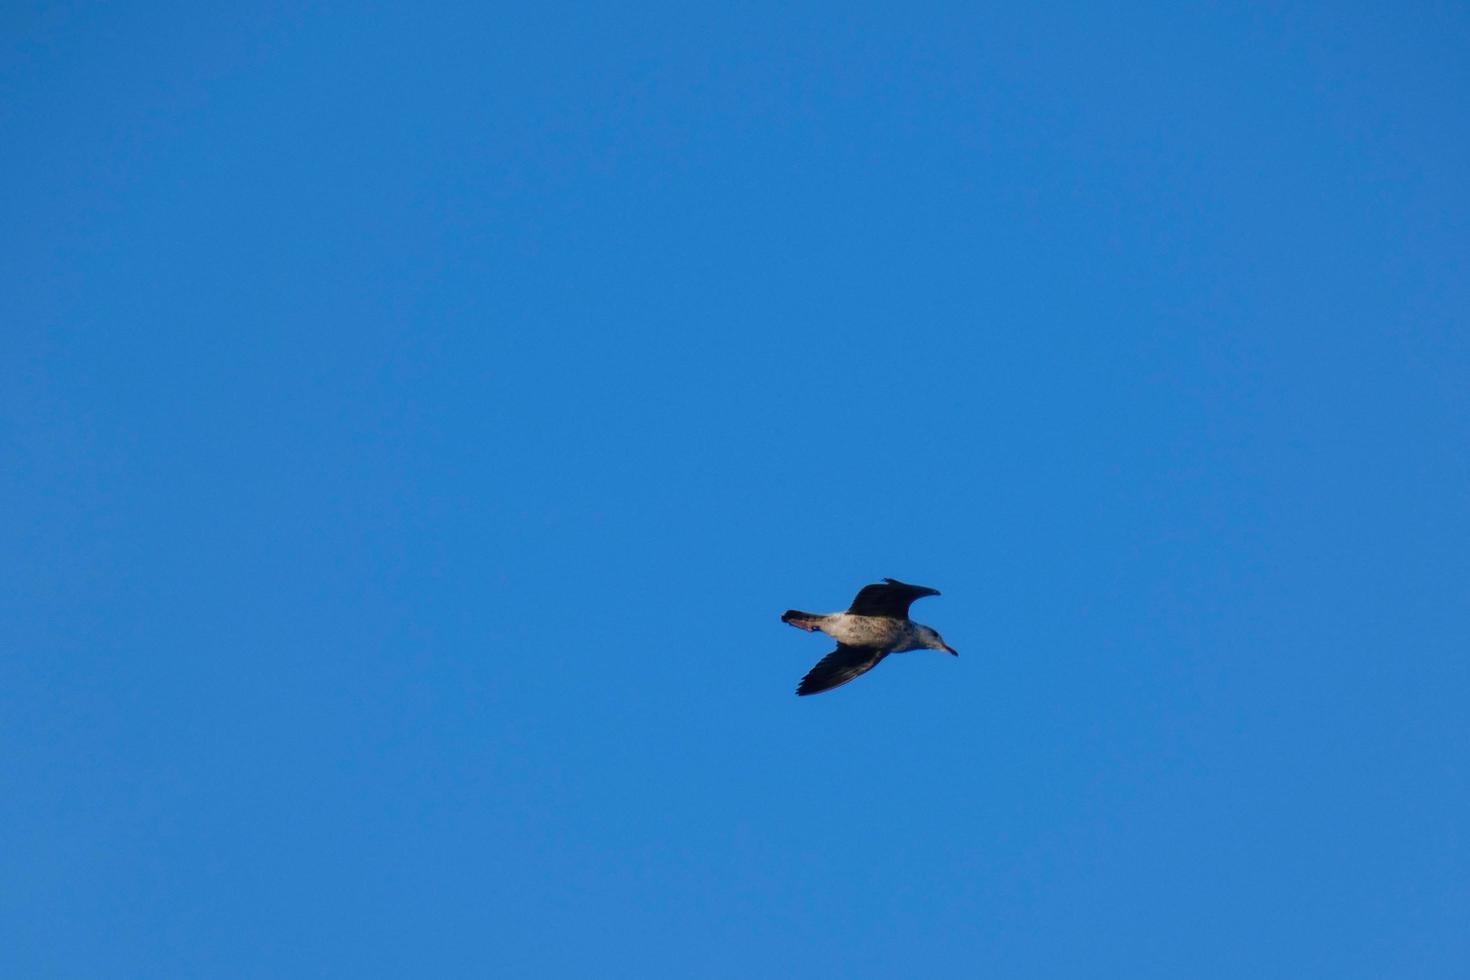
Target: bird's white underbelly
866,631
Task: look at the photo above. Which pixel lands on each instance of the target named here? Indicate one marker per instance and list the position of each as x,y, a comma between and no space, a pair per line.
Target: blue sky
417,418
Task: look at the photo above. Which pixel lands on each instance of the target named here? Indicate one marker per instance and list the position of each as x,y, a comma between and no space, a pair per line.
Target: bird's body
882,632
875,625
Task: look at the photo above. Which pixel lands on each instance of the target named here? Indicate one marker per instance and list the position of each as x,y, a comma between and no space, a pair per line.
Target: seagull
875,625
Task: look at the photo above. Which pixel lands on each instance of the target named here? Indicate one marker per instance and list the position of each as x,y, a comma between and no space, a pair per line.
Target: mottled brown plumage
875,625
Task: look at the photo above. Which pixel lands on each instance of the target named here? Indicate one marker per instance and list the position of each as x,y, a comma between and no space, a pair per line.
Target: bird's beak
951,651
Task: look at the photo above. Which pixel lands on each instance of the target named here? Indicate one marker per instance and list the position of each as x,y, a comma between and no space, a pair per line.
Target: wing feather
839,667
888,598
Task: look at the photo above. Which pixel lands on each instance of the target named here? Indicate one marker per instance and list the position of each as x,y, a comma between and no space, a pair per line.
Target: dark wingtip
813,685
909,585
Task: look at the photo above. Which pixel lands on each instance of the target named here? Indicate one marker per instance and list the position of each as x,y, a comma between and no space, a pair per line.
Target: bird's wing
839,667
891,598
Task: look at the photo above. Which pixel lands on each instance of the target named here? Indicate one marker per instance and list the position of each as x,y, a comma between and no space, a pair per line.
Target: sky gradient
417,418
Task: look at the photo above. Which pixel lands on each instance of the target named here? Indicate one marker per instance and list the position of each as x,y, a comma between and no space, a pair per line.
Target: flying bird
875,625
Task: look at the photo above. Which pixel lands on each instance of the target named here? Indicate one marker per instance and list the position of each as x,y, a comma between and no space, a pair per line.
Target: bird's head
933,641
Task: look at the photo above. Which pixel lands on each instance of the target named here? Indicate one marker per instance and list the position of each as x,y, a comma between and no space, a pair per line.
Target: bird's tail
802,620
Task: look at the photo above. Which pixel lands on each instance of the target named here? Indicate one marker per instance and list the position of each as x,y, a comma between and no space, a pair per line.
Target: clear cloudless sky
416,418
